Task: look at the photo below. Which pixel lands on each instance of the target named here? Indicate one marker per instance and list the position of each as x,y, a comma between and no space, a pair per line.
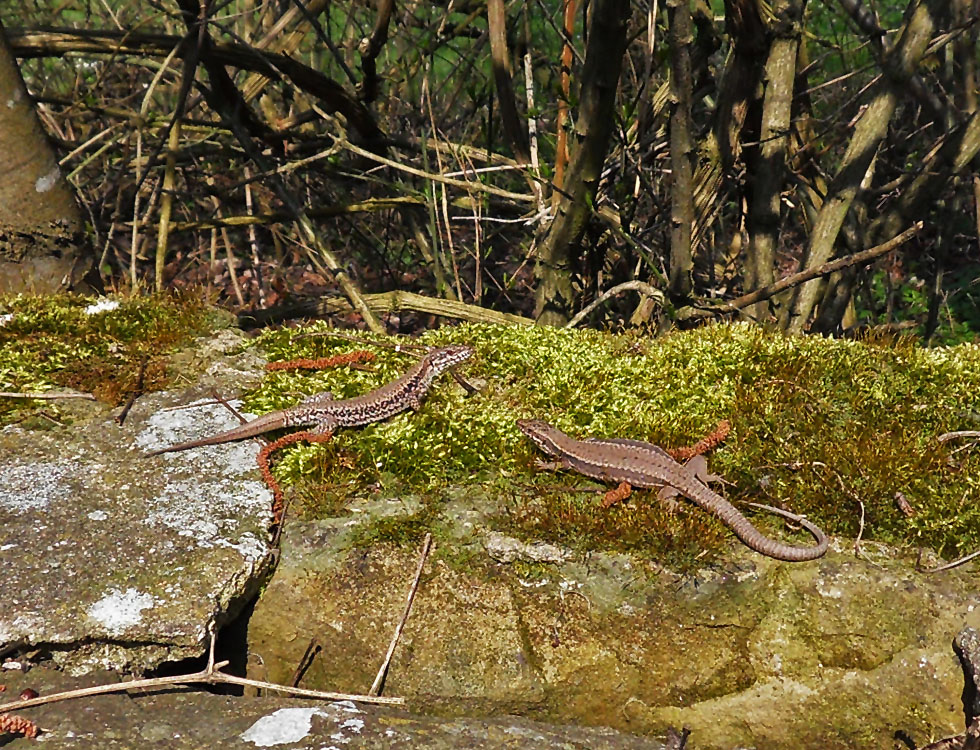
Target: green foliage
959,317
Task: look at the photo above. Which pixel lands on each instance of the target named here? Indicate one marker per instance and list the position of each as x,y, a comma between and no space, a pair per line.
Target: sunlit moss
822,425
829,428
71,341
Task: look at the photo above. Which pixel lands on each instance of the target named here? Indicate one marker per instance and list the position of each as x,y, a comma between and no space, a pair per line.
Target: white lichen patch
28,623
507,549
199,419
354,725
103,305
45,182
213,512
287,725
251,548
119,610
34,486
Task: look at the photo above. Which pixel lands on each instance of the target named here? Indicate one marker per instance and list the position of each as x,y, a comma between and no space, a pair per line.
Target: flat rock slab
191,719
841,652
114,560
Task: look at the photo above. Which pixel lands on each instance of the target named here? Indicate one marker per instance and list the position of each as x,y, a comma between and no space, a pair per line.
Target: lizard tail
786,552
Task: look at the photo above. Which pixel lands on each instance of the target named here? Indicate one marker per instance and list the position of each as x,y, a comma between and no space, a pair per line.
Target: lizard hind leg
698,467
317,398
666,496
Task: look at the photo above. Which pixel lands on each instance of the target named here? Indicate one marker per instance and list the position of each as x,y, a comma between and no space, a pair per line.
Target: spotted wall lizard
323,414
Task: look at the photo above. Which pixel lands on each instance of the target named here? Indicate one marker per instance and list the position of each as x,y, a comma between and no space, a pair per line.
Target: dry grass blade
50,395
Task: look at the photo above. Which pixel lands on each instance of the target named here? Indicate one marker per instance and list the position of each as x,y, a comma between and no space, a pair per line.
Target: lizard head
448,356
542,434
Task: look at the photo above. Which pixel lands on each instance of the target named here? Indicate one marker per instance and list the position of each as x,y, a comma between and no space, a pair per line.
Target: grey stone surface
114,560
185,719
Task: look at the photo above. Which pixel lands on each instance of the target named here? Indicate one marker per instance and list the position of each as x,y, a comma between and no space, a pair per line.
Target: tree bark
503,74
740,81
43,247
955,157
769,174
899,65
680,281
593,127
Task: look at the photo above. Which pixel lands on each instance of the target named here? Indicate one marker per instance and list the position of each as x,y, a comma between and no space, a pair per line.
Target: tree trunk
900,64
681,151
43,248
770,171
503,75
593,127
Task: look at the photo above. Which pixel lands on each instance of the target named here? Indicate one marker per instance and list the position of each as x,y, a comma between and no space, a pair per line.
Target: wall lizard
647,465
324,414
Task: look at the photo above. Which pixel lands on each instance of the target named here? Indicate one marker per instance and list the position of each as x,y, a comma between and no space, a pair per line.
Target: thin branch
279,217
857,540
949,565
628,286
947,436
312,649
690,313
51,395
475,186
384,302
380,678
209,675
32,44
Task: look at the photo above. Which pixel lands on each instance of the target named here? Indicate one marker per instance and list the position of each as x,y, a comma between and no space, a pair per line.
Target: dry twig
137,391
312,649
947,436
210,675
760,295
380,678
946,566
50,395
645,290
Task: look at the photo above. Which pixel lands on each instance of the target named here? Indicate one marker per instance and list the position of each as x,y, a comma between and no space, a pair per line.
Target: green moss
63,341
398,530
830,428
533,572
466,558
823,426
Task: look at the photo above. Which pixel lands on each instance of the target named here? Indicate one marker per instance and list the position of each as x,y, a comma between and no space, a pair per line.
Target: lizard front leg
549,465
618,495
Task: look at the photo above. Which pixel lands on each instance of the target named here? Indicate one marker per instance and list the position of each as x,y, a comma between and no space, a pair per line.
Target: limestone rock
114,560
